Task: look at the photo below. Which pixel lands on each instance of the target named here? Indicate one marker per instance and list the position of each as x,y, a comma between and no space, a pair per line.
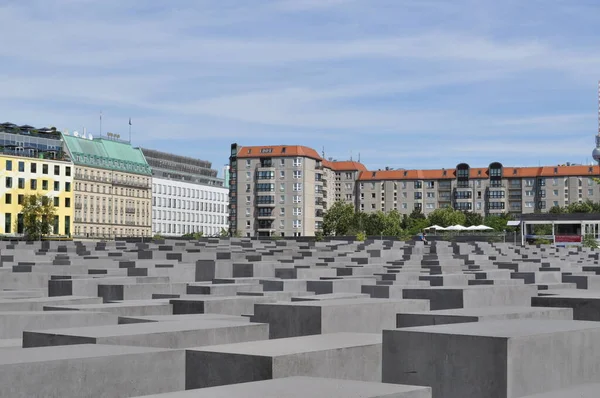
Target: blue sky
405,83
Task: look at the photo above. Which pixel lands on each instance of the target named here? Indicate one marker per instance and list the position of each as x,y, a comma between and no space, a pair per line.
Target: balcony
444,187
130,210
136,184
319,213
265,216
78,205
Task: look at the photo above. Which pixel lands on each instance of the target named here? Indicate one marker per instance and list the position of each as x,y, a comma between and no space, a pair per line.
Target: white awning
513,223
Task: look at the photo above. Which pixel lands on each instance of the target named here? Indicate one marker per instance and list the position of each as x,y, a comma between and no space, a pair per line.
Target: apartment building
32,161
492,190
345,174
284,190
187,196
112,187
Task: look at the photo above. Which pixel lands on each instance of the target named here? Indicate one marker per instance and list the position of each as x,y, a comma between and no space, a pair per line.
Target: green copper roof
107,154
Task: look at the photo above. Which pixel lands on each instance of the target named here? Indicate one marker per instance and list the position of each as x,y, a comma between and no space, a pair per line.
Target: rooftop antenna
359,157
323,153
350,155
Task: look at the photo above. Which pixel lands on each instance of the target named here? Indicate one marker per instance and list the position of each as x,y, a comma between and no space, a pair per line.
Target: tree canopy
38,216
343,220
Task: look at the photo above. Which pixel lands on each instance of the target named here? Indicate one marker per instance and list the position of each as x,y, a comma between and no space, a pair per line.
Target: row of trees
343,220
577,207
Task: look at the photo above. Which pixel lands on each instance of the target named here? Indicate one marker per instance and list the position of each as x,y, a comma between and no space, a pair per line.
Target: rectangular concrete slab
354,356
176,334
12,324
305,387
305,318
461,315
495,359
90,371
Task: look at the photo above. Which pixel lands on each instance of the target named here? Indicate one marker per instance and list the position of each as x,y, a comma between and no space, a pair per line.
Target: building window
21,183
297,199
33,184
9,166
67,202
56,202
56,170
297,187
297,211
8,199
45,185
44,169
7,223
297,224
67,186
8,182
56,185
22,166
297,173
297,162
33,167
68,171
20,199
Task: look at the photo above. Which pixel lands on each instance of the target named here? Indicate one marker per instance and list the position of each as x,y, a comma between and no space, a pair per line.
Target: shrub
590,241
361,236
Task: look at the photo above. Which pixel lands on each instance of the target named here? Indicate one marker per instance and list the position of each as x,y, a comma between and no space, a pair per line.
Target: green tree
472,218
590,241
446,217
339,220
224,233
498,222
584,207
38,216
393,224
374,223
542,229
556,210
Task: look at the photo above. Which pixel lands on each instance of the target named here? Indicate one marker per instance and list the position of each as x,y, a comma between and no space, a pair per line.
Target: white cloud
351,72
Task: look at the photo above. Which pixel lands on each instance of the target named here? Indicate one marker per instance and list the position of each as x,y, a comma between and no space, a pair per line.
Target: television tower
596,151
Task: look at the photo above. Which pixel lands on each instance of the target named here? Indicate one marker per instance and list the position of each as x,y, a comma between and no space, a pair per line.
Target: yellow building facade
21,176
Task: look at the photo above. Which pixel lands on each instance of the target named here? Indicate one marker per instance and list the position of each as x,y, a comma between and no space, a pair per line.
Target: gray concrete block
442,298
175,334
305,318
93,371
353,356
462,315
305,387
12,324
494,359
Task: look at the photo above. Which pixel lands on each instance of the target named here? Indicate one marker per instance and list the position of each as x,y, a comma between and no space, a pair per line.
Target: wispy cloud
430,79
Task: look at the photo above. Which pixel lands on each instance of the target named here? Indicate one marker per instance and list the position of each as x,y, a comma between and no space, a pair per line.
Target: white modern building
187,196
180,208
